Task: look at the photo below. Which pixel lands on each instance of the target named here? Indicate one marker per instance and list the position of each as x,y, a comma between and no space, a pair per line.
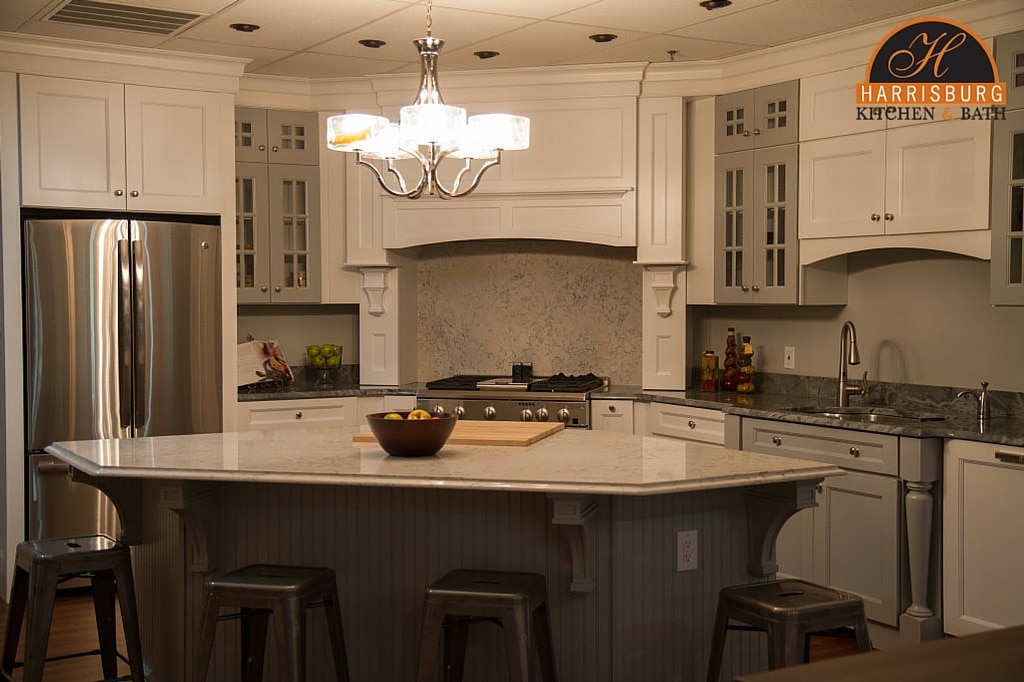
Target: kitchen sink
878,415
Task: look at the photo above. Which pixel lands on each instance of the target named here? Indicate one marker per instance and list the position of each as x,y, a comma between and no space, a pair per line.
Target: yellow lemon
419,414
392,415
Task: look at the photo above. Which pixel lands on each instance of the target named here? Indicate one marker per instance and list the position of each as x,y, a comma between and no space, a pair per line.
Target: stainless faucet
848,354
984,410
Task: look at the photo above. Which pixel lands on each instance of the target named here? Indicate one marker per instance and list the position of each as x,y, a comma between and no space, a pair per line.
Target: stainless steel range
500,398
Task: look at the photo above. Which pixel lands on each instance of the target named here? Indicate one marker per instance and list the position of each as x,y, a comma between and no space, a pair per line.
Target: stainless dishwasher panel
59,507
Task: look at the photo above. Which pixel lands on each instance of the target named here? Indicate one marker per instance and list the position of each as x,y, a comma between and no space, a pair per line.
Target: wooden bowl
411,437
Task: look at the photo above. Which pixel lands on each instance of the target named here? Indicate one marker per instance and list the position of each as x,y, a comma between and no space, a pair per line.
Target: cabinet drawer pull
611,408
855,451
118,192
1011,457
134,192
776,440
298,415
889,216
692,424
875,217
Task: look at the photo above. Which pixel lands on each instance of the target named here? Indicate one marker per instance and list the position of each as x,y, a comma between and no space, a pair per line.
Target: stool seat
284,592
788,610
40,565
515,600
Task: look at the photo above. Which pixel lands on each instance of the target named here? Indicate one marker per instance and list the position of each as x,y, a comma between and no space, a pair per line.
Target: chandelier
428,132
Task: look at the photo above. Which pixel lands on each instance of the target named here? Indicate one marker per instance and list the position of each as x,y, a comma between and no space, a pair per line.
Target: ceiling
319,38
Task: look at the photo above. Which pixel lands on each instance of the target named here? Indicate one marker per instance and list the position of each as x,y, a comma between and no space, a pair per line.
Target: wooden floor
74,629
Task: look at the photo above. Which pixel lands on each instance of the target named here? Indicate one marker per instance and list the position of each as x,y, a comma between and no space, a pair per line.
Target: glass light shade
385,145
425,124
487,133
353,132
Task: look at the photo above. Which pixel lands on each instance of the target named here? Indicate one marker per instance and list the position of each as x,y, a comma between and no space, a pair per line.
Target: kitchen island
595,512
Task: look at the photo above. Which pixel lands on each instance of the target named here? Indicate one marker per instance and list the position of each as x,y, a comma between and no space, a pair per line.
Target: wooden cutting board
468,432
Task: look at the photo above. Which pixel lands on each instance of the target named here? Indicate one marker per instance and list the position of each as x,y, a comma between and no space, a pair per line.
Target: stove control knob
490,413
563,415
438,409
460,412
542,414
526,415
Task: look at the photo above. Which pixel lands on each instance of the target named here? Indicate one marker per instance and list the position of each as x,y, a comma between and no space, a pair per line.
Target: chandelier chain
430,17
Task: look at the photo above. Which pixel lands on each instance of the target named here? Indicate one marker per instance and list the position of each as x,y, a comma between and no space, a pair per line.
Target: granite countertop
571,461
1001,429
312,383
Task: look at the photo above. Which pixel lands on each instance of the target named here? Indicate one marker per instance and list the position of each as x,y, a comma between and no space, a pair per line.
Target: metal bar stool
788,610
40,565
286,592
516,601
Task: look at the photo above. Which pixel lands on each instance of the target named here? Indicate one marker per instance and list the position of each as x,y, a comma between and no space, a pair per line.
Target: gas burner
562,382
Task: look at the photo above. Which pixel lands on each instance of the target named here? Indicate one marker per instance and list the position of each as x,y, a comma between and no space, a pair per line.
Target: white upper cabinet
660,218
108,146
274,136
898,183
1009,51
576,182
762,117
1008,210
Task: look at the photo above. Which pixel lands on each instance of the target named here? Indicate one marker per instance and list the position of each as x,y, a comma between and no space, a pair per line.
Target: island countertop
571,461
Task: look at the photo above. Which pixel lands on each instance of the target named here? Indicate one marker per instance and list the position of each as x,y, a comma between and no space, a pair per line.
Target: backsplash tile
572,308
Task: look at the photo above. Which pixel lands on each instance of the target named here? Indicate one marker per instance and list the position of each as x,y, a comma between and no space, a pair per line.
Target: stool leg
106,625
206,638
545,647
786,645
860,629
15,616
336,632
290,635
456,635
42,587
718,643
430,639
518,639
254,643
125,582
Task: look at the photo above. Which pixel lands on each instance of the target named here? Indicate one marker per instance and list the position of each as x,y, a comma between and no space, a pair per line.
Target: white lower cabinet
871,533
983,545
611,415
297,414
683,422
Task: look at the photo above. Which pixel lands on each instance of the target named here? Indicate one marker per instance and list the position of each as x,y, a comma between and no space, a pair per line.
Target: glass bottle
745,377
729,363
709,372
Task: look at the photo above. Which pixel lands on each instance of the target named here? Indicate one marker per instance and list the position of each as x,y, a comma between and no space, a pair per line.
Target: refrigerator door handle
124,332
139,339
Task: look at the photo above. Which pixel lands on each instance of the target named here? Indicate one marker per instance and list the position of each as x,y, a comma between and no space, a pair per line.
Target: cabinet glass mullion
734,209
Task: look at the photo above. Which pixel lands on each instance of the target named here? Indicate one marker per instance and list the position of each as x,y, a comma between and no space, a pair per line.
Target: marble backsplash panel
571,308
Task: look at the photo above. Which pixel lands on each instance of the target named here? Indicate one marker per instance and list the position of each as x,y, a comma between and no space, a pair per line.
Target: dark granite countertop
311,383
1002,429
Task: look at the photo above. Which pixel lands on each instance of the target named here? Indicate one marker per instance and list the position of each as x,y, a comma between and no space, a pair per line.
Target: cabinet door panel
1008,210
937,177
857,541
776,114
842,186
1009,50
775,194
734,227
173,158
72,143
252,234
293,137
250,135
294,233
734,122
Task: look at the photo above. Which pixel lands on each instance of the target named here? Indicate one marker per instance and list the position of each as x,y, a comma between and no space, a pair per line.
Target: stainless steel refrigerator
122,339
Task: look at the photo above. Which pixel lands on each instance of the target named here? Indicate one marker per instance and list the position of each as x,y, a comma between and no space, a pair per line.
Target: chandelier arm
402,192
456,192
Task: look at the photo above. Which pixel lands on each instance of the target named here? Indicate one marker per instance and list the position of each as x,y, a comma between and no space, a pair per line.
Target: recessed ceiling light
245,28
715,4
372,43
603,37
486,54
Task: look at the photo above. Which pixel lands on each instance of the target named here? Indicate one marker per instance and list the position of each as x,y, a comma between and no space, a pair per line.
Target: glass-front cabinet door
1008,210
755,226
252,236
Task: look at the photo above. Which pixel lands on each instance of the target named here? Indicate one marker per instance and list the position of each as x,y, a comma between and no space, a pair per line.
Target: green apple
318,361
333,362
313,351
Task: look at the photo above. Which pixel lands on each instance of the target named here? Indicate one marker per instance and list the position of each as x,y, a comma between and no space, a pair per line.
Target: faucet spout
848,355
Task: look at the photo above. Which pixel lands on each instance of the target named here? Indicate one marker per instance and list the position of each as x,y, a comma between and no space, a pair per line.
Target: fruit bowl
411,437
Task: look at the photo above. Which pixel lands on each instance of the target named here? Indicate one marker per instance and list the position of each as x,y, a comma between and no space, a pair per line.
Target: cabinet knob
855,451
875,217
118,192
298,415
776,440
692,424
263,288
757,131
744,288
889,216
262,147
274,148
277,288
746,133
756,288
611,408
135,192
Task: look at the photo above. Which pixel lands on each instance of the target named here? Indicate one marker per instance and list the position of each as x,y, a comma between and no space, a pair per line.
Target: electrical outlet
789,358
686,550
